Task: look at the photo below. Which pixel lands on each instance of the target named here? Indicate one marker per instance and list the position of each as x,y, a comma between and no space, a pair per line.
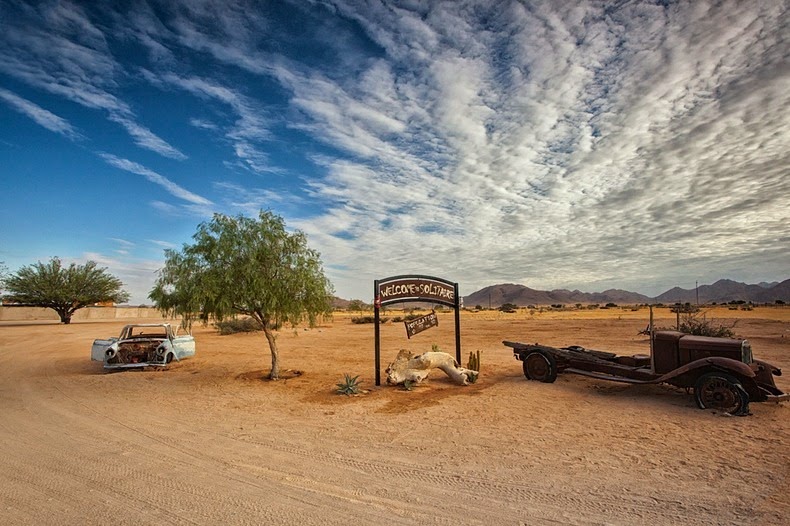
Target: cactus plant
474,361
349,385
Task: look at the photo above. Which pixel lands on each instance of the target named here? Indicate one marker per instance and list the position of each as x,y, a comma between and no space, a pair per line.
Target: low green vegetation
359,320
474,361
698,325
408,317
349,386
236,325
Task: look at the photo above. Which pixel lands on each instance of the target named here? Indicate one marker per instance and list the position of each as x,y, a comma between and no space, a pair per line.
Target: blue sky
580,145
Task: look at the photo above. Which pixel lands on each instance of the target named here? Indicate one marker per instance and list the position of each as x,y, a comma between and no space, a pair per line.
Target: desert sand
210,441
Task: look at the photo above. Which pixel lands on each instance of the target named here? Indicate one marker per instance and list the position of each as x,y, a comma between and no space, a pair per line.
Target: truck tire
722,392
540,366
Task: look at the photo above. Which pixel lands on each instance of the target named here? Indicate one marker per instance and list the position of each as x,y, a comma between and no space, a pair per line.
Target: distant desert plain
210,441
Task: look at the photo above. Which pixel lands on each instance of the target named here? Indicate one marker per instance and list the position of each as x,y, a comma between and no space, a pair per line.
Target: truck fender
772,369
693,369
687,375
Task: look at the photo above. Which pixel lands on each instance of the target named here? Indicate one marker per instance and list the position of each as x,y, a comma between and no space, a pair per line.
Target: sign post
415,288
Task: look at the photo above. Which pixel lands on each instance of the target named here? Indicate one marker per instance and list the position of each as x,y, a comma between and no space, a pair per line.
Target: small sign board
420,324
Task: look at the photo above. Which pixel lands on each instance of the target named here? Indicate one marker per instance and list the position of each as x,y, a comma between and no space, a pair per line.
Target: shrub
236,325
407,317
349,385
684,307
368,319
357,305
699,325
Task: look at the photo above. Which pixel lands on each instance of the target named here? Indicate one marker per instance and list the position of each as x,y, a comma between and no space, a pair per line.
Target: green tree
357,306
63,289
240,265
3,275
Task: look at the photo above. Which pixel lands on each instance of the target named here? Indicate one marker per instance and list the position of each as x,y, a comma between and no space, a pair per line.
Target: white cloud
57,49
137,275
42,117
171,187
249,128
583,145
570,146
162,244
203,124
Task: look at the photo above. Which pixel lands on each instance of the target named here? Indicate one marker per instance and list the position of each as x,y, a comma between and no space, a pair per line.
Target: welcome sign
415,288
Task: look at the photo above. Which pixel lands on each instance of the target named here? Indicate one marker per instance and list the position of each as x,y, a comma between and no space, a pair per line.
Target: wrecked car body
143,345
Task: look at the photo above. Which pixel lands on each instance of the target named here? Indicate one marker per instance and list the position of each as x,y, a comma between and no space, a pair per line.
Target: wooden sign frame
414,288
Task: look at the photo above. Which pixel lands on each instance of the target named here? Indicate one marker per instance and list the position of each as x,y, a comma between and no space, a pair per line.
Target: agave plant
349,385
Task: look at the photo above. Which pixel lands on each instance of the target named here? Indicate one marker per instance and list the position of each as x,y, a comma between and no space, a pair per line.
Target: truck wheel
169,357
722,392
540,366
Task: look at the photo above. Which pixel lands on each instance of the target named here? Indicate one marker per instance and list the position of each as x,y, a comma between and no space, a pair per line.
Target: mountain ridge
722,291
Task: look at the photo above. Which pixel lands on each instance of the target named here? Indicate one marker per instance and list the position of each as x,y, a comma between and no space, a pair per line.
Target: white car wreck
143,345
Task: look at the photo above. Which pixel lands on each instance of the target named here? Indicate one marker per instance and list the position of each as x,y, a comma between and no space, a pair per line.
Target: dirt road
208,441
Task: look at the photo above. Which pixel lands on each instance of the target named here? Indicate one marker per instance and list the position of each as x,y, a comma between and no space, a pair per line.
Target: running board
604,376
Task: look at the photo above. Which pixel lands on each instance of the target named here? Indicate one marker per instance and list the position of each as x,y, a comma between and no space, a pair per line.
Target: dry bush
237,325
698,325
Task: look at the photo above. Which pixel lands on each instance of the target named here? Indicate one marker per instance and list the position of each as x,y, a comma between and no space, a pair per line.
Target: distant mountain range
722,291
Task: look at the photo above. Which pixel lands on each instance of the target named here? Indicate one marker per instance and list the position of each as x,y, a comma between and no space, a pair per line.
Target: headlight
746,352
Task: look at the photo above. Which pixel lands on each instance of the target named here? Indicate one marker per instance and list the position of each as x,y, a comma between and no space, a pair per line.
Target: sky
579,145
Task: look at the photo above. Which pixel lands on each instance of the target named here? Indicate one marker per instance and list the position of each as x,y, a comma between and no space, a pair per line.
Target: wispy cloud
42,117
202,124
249,201
162,244
249,127
168,185
144,137
137,275
593,145
582,145
57,49
628,144
124,247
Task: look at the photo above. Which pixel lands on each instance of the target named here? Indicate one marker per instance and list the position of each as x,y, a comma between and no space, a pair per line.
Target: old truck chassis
721,371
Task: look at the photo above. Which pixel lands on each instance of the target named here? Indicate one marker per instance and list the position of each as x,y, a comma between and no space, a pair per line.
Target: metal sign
423,323
402,289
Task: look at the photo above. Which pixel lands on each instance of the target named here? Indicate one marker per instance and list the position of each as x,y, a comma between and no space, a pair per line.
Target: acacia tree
240,265
63,289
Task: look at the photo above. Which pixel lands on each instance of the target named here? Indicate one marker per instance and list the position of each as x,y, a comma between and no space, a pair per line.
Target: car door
184,346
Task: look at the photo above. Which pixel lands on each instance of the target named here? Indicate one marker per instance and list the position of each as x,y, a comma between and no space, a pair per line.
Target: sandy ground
208,441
